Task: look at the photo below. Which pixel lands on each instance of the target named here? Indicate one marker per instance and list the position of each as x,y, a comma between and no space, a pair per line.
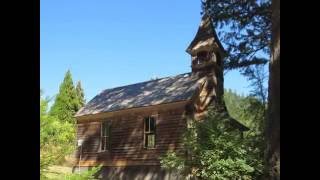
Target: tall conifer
80,95
66,103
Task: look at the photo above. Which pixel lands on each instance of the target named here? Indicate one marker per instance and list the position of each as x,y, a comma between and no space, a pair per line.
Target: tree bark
273,118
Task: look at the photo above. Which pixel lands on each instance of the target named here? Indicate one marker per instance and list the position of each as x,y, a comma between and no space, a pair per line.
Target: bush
216,151
56,138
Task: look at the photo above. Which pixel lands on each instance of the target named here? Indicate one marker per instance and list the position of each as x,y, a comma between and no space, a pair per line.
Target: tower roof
205,35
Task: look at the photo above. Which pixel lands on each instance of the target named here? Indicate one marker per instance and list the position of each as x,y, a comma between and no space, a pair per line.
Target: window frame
105,137
149,132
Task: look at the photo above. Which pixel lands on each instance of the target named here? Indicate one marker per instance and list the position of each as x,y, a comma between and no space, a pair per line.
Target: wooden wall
127,137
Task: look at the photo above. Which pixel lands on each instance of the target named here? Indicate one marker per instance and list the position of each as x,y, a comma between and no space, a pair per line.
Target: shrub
215,151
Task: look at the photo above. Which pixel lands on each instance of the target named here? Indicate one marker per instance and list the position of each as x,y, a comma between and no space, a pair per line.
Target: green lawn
58,172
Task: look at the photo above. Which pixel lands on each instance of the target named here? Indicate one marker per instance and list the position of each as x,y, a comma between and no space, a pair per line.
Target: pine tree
254,31
80,95
273,120
66,103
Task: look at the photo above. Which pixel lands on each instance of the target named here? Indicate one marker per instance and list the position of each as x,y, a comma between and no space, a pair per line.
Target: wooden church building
126,129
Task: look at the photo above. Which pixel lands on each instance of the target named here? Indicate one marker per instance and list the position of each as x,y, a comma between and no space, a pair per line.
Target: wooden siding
127,137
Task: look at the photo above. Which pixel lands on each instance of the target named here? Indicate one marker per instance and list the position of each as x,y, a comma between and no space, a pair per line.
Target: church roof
154,92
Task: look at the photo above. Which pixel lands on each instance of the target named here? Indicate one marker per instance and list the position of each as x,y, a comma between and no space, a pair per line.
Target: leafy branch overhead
244,27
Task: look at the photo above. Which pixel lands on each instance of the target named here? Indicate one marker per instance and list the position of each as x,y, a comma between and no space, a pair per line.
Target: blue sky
107,44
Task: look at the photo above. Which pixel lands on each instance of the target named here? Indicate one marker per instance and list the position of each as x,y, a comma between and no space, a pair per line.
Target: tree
80,95
66,101
257,77
273,120
254,30
244,27
248,110
56,138
251,112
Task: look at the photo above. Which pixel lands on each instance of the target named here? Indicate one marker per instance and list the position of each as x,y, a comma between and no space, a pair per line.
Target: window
149,132
105,136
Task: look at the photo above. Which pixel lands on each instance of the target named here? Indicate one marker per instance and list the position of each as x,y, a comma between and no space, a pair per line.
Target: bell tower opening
205,49
202,57
202,61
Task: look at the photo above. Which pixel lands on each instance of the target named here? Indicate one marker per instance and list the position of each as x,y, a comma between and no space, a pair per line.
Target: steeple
207,55
205,49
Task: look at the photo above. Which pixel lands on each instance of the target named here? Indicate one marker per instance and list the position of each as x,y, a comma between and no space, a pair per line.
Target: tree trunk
273,118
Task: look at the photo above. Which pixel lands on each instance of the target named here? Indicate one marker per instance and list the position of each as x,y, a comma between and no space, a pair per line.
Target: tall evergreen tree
66,103
273,120
80,95
254,30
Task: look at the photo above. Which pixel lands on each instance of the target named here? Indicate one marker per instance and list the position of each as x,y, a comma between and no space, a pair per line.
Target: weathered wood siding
127,137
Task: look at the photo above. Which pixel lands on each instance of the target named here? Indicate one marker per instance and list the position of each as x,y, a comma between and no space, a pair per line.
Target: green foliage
56,138
216,150
251,112
57,127
84,175
245,29
257,77
80,95
248,110
66,102
173,162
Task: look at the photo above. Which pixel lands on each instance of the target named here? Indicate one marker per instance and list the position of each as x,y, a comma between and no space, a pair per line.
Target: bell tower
207,55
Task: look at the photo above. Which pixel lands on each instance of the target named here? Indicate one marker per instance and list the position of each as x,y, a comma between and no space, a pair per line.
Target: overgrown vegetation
56,138
250,31
57,126
216,150
85,175
247,109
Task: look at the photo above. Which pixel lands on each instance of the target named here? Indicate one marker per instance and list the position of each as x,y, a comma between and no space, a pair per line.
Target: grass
58,172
